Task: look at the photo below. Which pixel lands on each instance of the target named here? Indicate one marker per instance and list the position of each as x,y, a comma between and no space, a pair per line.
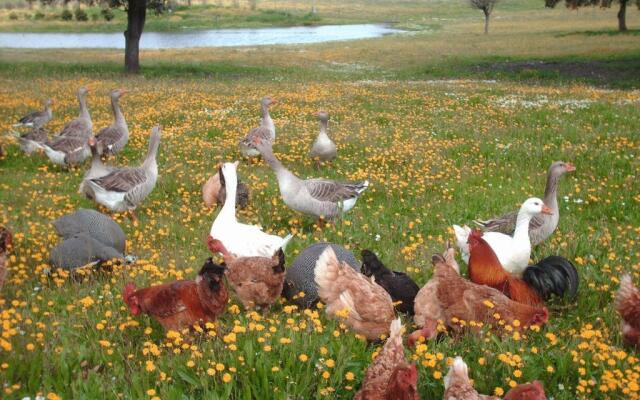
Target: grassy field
446,123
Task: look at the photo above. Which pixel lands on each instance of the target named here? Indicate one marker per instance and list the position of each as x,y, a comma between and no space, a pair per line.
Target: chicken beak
546,210
570,167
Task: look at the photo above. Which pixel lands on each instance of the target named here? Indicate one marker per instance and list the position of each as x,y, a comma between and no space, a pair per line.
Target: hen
390,377
399,285
363,304
527,391
553,275
181,304
457,385
257,281
448,296
627,304
214,191
6,240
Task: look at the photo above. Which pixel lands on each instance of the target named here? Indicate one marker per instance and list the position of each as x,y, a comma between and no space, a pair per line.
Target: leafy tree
487,8
622,12
136,16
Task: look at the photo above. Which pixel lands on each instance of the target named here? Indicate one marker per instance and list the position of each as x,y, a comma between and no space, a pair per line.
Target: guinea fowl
214,191
123,189
113,138
357,300
543,225
243,240
37,119
322,198
300,287
390,376
323,147
6,240
257,281
184,303
97,170
627,304
399,285
81,126
512,251
82,250
266,130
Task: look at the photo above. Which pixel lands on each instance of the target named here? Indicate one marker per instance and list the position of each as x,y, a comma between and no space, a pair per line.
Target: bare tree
487,7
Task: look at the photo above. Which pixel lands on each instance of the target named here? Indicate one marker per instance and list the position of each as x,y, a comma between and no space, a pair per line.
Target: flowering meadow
436,153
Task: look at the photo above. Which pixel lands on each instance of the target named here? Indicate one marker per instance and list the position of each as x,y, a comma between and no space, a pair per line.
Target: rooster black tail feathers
553,275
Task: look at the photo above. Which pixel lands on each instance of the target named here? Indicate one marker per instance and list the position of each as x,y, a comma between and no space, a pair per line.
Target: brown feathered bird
257,281
181,304
390,377
6,240
627,304
214,191
527,391
448,296
457,385
363,304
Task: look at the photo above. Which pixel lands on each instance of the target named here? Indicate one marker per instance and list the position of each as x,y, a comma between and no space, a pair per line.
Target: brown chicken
390,377
448,296
527,391
457,385
363,305
257,281
6,239
485,269
181,304
627,304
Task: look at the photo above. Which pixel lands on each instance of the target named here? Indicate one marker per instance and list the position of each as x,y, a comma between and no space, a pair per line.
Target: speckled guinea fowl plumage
301,274
37,119
125,188
318,197
81,250
266,130
114,137
543,225
92,223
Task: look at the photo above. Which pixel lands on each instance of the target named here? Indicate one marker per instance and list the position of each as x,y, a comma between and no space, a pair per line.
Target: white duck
512,251
241,239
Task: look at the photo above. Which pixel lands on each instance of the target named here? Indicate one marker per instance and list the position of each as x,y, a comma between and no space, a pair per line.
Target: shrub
81,15
107,14
66,15
13,16
38,15
95,16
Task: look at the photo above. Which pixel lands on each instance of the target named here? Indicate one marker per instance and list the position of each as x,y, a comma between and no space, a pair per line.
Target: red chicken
448,296
256,280
6,239
527,391
485,269
390,377
627,304
181,304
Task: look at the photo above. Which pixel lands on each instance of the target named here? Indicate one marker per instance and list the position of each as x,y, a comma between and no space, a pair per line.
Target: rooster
458,386
256,280
6,240
181,304
553,275
447,295
399,285
627,304
390,377
365,306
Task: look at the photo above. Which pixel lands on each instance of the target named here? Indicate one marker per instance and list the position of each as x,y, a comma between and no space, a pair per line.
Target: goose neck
522,226
117,113
551,191
84,111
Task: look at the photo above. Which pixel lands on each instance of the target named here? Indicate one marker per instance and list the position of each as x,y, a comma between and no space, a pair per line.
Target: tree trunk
622,16
487,14
136,15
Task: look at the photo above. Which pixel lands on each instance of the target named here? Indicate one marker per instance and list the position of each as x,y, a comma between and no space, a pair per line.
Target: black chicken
398,284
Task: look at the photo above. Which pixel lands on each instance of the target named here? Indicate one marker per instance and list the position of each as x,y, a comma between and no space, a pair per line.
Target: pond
207,38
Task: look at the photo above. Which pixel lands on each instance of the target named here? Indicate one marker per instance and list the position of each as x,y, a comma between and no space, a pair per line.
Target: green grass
447,124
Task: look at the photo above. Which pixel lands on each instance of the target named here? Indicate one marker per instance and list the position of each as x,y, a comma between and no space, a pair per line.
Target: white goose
241,239
512,251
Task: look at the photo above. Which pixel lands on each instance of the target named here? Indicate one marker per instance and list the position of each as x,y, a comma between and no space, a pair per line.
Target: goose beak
570,167
546,210
274,102
316,114
123,92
